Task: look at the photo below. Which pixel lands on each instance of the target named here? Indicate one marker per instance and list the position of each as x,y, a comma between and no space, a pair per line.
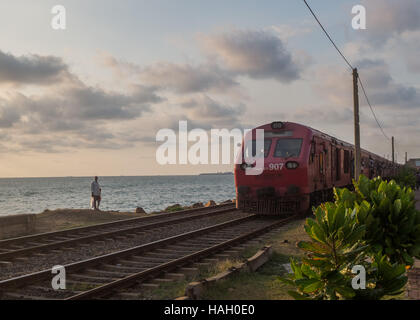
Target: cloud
285,31
73,116
179,78
207,112
187,78
257,54
389,18
382,89
406,47
75,104
323,115
8,115
31,69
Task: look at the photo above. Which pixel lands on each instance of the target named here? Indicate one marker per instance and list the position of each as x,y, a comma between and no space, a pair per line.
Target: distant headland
216,173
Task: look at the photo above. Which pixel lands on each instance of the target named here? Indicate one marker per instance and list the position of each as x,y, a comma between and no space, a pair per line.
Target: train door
323,155
319,163
346,165
328,165
338,164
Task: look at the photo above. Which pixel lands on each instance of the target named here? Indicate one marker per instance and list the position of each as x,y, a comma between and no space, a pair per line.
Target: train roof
327,136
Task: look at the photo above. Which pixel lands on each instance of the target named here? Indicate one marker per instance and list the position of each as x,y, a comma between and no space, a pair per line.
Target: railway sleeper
201,265
16,247
129,295
164,255
146,285
16,295
162,280
183,246
89,278
205,241
175,250
39,254
217,239
122,238
34,244
121,268
82,284
144,264
59,239
46,289
174,276
222,256
188,271
211,260
101,272
21,259
232,253
146,259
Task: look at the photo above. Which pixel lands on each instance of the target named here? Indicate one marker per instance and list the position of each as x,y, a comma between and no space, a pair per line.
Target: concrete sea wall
16,225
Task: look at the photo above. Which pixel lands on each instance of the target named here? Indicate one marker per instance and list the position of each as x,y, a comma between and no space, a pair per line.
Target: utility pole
357,159
393,151
406,158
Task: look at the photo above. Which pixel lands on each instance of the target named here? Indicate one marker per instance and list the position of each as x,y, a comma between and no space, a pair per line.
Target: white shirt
94,187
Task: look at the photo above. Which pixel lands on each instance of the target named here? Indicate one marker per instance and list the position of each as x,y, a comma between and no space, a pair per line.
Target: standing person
95,188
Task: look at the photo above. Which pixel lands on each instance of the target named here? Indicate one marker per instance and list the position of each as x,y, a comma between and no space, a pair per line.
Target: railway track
123,273
11,249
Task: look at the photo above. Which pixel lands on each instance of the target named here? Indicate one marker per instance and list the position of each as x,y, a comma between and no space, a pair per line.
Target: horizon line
114,176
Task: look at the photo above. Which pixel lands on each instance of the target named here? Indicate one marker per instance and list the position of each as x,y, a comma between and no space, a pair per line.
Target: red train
301,167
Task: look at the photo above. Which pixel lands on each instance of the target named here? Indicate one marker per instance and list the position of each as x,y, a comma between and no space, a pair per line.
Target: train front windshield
288,148
251,149
283,148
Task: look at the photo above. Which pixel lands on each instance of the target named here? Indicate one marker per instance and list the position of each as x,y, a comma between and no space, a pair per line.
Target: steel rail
71,231
143,275
76,266
110,234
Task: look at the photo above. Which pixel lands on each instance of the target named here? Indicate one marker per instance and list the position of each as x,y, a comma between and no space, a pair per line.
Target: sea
124,194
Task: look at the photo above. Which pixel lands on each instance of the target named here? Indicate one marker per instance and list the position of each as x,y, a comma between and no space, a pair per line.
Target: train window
321,163
326,159
312,155
267,145
287,148
346,161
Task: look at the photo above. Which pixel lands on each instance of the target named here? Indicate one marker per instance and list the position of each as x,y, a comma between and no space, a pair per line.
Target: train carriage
301,167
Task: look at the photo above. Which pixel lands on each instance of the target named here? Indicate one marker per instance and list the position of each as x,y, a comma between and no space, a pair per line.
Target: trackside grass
262,284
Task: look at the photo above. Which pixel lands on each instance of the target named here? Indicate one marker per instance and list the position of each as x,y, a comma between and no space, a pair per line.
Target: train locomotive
301,168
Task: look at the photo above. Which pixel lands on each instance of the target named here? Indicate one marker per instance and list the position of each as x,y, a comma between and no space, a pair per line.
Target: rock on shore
140,210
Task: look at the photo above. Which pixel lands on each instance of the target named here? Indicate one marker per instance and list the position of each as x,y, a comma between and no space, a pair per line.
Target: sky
90,99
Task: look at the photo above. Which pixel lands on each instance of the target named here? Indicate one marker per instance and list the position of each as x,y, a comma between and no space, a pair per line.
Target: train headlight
277,125
292,165
246,165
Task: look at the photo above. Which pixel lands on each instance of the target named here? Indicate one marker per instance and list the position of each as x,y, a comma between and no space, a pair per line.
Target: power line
349,64
371,109
328,36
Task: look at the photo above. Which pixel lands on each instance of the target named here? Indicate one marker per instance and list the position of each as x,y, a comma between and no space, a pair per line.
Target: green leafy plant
336,246
406,177
388,212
